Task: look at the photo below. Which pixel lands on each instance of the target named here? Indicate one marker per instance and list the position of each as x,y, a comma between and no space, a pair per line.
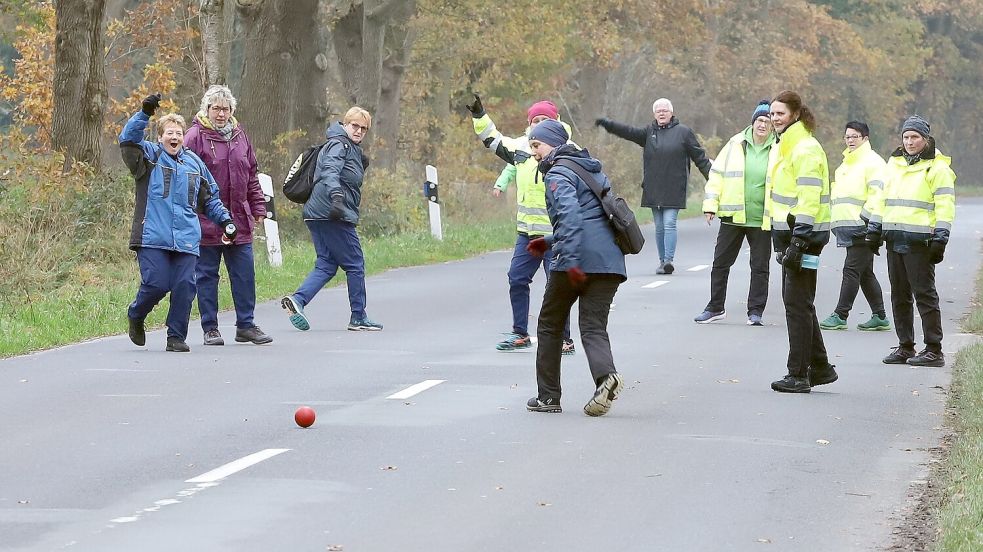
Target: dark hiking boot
607,391
927,358
213,337
822,376
568,348
252,335
791,384
536,404
176,345
899,355
137,333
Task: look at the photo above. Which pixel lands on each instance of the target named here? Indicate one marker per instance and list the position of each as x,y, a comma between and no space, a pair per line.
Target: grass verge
76,312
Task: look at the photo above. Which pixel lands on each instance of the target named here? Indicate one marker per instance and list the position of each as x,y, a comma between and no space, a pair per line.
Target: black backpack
627,234
300,178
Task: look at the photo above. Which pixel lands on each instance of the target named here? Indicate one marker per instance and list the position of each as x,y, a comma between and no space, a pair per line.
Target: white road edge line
414,389
656,284
697,268
222,472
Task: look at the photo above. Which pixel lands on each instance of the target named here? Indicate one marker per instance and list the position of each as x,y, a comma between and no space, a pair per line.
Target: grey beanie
550,132
917,124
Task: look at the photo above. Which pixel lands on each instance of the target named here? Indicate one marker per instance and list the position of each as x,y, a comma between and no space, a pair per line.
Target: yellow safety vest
858,183
798,181
918,198
531,217
723,194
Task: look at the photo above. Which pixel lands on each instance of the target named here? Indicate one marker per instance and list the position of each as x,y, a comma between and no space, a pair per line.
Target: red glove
577,277
537,247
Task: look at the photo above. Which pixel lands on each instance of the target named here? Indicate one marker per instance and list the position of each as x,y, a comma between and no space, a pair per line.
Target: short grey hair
215,93
664,102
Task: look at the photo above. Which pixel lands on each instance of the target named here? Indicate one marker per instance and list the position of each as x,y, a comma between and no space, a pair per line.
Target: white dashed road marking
656,284
698,268
414,389
222,472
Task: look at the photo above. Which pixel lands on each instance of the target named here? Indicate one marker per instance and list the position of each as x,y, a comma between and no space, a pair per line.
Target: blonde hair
357,113
215,93
170,118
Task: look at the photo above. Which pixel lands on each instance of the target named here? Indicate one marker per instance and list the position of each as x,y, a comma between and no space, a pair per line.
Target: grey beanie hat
916,123
550,132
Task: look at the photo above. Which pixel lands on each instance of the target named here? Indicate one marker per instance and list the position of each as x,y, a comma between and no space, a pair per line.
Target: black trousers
805,340
858,273
730,238
912,277
595,303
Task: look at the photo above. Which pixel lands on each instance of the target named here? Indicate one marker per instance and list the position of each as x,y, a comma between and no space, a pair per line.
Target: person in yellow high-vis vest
915,216
798,204
532,219
858,183
735,193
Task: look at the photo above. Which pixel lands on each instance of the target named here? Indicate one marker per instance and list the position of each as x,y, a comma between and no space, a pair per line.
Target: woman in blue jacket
587,265
172,186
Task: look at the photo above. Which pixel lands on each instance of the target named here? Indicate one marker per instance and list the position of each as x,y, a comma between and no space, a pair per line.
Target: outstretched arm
628,132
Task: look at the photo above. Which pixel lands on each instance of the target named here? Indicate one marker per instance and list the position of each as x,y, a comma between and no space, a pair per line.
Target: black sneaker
568,348
138,334
177,346
899,355
791,384
607,391
252,335
928,358
822,376
214,337
548,405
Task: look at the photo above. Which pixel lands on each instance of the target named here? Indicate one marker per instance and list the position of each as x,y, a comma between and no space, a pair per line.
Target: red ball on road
304,416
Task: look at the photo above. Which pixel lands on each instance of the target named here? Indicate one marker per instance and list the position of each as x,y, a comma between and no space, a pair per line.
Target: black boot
822,376
899,355
791,384
928,358
177,345
138,334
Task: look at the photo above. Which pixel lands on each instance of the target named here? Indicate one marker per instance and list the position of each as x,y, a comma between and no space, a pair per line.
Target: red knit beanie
544,107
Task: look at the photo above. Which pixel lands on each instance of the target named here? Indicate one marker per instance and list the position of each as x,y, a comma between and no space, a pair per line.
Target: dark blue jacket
582,236
340,170
170,192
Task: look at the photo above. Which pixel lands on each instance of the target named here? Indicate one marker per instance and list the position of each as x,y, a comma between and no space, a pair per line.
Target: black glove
229,230
477,110
936,251
873,242
151,103
792,259
600,122
337,211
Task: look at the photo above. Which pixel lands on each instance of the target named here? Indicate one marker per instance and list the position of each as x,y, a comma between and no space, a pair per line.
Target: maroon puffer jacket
233,164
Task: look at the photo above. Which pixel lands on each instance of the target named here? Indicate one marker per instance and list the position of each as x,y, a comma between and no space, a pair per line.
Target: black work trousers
805,340
730,238
912,278
858,273
595,298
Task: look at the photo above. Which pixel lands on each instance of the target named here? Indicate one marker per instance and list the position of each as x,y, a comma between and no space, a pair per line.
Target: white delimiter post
270,225
430,191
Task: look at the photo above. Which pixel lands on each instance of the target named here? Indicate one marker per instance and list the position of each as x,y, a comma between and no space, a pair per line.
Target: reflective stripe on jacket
919,201
855,191
798,188
724,193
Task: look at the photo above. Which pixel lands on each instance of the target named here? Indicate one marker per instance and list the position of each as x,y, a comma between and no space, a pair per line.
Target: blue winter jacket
170,192
340,170
582,236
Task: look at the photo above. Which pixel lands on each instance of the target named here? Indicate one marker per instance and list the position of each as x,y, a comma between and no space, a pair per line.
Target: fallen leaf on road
764,541
915,393
503,408
335,548
544,504
23,501
729,381
388,468
822,441
23,381
499,487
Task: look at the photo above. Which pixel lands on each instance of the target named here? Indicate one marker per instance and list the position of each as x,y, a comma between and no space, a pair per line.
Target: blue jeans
163,271
336,245
665,232
524,266
242,279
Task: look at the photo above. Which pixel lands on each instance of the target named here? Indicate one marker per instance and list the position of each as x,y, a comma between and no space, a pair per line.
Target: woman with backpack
331,214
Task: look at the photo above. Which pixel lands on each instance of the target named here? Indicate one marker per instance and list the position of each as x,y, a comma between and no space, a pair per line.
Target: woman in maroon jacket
224,147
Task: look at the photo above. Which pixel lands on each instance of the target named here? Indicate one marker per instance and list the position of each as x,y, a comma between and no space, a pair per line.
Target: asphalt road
109,447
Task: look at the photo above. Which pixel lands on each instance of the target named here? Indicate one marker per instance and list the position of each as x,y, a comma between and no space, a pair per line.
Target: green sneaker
875,324
833,322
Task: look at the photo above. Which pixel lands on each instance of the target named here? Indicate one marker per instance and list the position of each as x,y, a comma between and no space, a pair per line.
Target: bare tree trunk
282,83
214,41
80,90
397,46
346,36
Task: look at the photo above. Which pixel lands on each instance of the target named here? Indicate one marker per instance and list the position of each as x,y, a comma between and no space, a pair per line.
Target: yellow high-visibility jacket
855,191
919,200
531,217
797,189
723,194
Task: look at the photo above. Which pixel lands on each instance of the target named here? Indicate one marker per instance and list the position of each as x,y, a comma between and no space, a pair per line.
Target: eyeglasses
358,128
220,109
852,137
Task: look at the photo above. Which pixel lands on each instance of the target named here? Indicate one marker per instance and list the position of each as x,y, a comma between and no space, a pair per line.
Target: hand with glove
337,211
873,241
477,110
576,276
602,122
792,259
229,231
936,251
151,104
537,247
